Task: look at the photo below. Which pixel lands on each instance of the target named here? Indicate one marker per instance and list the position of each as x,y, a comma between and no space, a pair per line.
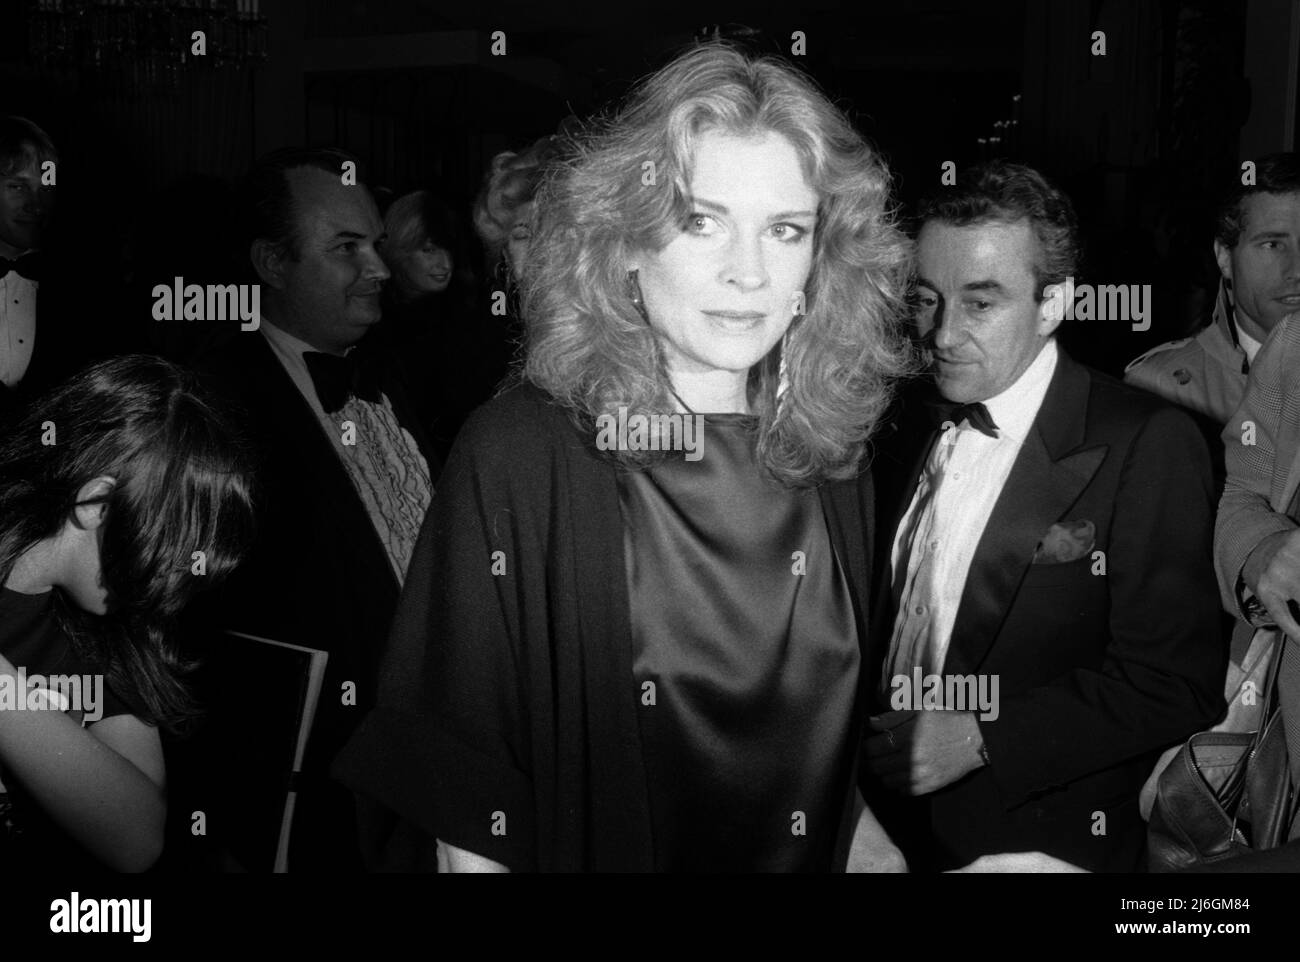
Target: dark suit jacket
77,322
318,576
1097,673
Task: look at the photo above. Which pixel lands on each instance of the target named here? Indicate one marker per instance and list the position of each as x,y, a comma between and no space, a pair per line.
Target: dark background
1143,138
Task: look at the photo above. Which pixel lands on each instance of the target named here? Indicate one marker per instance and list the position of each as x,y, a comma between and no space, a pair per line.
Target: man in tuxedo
346,468
1048,543
28,364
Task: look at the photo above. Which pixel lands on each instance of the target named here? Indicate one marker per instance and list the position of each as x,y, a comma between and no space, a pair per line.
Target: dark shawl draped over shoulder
506,721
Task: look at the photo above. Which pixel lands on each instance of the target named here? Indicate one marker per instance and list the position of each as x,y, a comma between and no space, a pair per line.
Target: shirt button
934,545
956,475
920,609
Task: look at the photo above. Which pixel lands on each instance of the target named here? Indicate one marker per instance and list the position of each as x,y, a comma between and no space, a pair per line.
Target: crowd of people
927,595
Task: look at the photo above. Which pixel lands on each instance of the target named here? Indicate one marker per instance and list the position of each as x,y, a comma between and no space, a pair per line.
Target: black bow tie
338,378
28,266
975,413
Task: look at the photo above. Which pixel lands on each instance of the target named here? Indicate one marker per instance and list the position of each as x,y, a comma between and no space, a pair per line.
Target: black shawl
540,725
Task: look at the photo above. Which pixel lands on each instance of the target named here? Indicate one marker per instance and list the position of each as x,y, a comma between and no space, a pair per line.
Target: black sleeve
446,749
1162,677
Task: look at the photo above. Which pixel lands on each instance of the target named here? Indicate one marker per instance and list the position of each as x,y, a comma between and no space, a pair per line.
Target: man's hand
918,752
1273,572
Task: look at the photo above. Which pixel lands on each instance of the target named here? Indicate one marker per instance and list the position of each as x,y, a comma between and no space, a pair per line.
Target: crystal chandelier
134,46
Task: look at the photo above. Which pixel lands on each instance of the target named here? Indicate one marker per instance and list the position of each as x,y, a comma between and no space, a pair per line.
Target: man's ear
1223,255
269,262
1057,302
92,502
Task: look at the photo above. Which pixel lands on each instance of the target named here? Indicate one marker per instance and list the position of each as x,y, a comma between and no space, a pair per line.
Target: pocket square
1066,541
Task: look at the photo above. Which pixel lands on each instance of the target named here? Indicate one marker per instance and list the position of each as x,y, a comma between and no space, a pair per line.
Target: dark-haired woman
121,494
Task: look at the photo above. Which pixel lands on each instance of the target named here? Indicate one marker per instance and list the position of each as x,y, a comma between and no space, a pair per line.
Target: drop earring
783,371
502,272
634,293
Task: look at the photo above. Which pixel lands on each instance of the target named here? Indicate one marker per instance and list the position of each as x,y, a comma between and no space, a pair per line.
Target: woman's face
424,270
84,583
723,291
521,232
80,573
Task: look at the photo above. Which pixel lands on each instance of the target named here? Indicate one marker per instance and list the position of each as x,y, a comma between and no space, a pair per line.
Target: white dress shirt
961,482
1248,343
17,326
385,464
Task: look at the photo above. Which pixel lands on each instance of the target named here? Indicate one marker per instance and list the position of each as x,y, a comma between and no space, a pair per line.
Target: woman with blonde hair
453,355
633,634
505,208
421,249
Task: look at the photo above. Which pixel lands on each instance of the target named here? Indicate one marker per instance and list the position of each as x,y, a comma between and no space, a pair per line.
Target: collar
282,340
1014,410
1243,345
26,600
289,350
15,278
1247,343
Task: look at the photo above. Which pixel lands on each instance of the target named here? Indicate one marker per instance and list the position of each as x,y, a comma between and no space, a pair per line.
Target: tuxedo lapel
899,455
902,456
1051,471
311,462
284,403
896,468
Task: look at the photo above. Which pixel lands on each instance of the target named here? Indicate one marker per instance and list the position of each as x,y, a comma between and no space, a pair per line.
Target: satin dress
742,622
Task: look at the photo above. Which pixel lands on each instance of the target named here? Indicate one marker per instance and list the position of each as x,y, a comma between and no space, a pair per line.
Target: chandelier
139,45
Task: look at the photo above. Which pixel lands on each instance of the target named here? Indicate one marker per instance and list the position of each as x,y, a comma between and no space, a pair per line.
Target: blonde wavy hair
510,183
588,345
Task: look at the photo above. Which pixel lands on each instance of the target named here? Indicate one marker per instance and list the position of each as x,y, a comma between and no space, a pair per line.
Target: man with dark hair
1046,585
27,158
1257,542
268,207
347,469
1257,233
1257,246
